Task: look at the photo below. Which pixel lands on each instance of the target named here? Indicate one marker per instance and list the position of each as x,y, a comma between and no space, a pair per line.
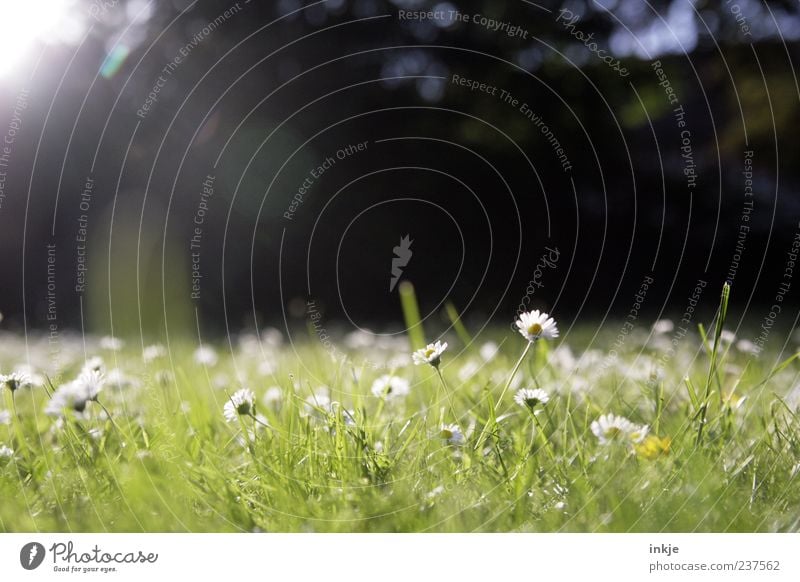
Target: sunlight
22,24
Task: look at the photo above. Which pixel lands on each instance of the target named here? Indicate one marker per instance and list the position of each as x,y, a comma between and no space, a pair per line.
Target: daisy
318,403
489,350
746,346
272,397
90,383
432,354
535,324
663,326
94,364
154,352
15,380
530,398
112,344
390,387
76,394
452,434
6,452
609,428
241,403
206,356
5,417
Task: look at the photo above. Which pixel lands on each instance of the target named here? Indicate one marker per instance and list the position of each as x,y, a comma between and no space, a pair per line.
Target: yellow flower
653,447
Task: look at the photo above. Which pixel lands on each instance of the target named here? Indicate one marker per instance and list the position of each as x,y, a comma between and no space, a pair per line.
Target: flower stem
514,371
449,398
23,443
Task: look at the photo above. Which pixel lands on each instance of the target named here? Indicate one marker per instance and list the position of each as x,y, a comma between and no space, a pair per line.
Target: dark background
475,185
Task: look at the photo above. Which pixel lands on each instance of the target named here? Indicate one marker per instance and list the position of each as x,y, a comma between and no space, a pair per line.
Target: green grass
167,460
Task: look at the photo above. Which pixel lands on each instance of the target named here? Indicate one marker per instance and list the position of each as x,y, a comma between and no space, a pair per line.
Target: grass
723,452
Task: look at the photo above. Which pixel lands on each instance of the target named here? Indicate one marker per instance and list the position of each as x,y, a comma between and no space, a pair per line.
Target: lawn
264,433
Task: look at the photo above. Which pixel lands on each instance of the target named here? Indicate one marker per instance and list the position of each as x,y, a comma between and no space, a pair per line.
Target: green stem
23,443
449,397
514,371
712,369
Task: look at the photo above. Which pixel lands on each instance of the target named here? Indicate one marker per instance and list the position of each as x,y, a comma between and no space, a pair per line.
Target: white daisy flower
15,380
530,398
390,387
272,397
451,434
153,353
6,452
272,336
206,356
91,383
241,403
112,344
727,337
76,394
5,417
489,350
609,428
746,346
663,326
320,400
34,377
94,364
432,354
535,324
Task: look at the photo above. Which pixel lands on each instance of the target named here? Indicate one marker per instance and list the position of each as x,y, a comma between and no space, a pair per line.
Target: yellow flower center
613,432
447,434
534,329
429,352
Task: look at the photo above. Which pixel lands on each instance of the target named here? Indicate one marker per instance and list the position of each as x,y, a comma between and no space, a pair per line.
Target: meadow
657,428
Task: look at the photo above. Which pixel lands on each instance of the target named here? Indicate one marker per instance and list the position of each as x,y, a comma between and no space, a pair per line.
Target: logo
31,555
403,254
